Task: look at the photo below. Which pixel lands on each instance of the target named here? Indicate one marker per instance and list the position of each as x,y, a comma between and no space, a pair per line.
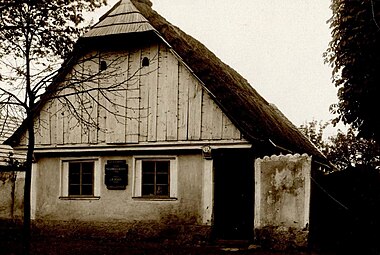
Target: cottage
174,139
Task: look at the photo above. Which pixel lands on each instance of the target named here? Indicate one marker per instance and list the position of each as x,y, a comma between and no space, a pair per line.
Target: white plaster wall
282,191
119,205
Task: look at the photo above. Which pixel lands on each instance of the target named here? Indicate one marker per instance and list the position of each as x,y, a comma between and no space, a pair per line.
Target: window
155,178
80,179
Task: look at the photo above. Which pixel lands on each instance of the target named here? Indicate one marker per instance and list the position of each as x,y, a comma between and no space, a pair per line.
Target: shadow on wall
350,223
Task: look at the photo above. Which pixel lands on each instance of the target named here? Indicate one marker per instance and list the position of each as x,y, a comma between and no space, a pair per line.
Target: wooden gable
161,102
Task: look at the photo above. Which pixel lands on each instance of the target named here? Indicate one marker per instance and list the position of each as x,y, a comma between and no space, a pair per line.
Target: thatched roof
251,113
123,18
258,121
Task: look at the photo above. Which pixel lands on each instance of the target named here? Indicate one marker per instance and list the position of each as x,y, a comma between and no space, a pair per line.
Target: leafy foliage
314,130
344,149
49,27
34,36
354,54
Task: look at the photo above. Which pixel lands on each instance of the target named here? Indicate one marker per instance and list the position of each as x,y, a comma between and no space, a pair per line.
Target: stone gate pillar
282,200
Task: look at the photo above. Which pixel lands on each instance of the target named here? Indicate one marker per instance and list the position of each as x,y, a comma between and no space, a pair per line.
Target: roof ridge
123,18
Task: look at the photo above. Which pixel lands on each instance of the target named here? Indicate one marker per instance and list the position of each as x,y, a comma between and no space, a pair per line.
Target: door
234,194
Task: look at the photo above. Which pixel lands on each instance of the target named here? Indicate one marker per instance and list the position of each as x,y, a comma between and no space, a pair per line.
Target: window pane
87,178
87,167
147,190
162,190
74,178
162,166
148,178
148,166
74,190
74,167
74,173
162,179
87,189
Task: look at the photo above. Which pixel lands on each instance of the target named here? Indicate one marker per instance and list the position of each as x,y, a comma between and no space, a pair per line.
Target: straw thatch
254,116
123,18
258,121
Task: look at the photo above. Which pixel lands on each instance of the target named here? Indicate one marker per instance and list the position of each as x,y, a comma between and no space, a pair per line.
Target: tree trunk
27,187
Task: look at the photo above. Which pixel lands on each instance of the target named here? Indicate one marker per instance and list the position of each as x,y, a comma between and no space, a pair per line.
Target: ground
11,239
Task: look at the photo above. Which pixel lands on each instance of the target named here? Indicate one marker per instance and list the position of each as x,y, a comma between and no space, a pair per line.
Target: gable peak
122,18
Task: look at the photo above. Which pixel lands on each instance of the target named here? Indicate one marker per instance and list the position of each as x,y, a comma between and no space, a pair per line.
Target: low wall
282,201
11,195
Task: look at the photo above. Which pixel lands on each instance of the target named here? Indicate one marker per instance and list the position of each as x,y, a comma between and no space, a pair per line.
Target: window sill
155,198
79,198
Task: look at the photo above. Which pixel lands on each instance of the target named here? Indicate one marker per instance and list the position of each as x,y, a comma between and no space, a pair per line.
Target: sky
277,45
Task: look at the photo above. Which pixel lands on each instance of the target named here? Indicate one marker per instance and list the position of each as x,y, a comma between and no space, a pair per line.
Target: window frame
65,182
172,176
81,178
155,173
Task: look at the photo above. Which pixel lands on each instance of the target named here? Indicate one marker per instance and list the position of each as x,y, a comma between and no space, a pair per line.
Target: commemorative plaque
116,174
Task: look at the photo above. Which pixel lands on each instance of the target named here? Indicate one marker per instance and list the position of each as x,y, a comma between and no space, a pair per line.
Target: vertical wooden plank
229,129
86,84
133,96
212,119
217,121
73,112
44,125
102,117
183,104
152,93
116,96
144,96
207,117
70,106
93,131
71,124
172,98
60,131
162,90
195,111
90,111
53,122
37,130
85,127
102,106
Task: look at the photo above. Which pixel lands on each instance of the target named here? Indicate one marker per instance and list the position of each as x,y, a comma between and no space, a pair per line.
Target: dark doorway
233,194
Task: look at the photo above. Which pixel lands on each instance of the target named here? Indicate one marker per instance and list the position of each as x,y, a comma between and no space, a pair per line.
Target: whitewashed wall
282,200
